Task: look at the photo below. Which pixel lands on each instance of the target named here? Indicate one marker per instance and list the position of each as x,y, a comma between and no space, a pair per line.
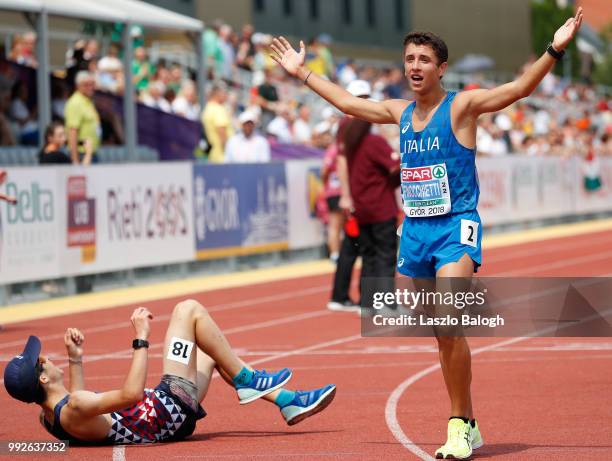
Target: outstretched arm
89,404
293,62
478,102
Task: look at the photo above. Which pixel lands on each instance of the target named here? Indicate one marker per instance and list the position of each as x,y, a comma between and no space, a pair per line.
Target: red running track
536,399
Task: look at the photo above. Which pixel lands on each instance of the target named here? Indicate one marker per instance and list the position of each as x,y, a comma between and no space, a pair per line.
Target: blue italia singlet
438,174
439,193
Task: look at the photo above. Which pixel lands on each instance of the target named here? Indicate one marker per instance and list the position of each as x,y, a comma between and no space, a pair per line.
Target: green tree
546,18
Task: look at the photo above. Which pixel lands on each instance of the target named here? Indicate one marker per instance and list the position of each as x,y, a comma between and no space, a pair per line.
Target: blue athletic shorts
426,244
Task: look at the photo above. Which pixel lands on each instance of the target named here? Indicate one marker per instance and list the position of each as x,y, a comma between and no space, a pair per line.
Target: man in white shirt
248,146
280,126
186,103
302,134
154,97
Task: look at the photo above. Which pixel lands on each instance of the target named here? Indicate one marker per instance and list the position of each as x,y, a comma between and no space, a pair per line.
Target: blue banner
240,209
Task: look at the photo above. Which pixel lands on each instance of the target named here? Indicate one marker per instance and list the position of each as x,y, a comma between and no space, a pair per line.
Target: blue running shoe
308,403
262,384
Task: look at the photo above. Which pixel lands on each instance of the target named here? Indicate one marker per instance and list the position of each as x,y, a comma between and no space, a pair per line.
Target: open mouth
416,78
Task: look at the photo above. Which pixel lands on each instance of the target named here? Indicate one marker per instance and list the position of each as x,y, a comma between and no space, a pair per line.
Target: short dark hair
430,39
50,131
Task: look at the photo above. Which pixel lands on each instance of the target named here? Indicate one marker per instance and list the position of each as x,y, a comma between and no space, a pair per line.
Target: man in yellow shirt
82,118
217,123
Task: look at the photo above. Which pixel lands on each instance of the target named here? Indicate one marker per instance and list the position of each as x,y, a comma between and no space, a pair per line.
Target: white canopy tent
127,12
21,5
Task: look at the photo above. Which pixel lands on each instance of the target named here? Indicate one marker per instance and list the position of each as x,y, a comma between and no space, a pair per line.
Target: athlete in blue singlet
441,233
193,348
439,194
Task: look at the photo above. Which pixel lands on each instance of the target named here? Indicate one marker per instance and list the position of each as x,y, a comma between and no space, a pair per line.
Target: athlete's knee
448,337
189,308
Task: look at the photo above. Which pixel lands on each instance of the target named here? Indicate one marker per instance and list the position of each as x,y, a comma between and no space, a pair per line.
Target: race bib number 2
426,191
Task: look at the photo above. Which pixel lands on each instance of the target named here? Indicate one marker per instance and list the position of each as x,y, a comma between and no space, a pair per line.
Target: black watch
138,343
554,53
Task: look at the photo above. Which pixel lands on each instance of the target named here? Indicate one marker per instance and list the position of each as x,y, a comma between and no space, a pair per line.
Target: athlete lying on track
194,346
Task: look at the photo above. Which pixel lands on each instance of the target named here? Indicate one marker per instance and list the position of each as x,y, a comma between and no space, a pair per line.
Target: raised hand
567,31
286,56
140,320
73,339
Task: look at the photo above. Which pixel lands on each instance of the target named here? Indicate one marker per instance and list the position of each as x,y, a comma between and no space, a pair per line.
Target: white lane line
557,265
218,308
393,400
254,326
118,452
558,246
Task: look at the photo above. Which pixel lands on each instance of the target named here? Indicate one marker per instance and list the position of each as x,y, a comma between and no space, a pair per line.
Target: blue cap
21,374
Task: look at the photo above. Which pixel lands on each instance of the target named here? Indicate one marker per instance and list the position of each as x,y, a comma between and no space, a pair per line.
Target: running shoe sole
314,408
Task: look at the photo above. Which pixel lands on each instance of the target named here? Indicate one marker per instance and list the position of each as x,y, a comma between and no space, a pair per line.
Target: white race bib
426,191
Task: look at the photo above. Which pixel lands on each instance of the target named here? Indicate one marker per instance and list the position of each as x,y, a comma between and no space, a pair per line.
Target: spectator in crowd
154,96
59,96
550,122
247,146
226,67
347,246
343,250
24,50
373,176
82,119
322,136
324,41
212,50
314,58
331,190
302,134
186,103
246,50
217,122
20,113
53,152
142,69
347,73
80,58
267,98
489,138
162,74
334,168
394,87
176,78
280,126
261,60
109,76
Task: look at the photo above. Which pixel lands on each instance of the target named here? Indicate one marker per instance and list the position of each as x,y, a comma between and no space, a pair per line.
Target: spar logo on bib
416,174
438,172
